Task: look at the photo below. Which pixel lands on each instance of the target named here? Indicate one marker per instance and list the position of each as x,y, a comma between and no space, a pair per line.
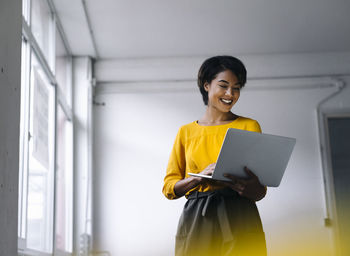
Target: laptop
265,155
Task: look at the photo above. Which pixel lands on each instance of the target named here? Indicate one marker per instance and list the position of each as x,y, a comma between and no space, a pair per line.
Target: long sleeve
176,167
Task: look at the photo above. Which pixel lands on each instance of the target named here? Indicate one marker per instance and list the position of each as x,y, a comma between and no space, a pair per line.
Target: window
64,152
43,27
40,161
63,63
64,184
25,10
45,223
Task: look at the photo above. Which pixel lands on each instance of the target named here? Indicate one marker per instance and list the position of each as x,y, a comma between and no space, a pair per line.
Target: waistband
226,192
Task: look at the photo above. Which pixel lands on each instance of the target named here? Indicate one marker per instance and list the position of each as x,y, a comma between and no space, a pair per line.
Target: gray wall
10,81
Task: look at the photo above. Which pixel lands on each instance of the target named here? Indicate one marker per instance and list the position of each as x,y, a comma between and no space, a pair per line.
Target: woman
219,218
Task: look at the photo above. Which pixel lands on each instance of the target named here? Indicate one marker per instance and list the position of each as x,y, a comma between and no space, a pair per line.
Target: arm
183,186
176,170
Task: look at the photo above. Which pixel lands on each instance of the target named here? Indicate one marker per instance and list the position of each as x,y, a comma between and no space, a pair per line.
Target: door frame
331,218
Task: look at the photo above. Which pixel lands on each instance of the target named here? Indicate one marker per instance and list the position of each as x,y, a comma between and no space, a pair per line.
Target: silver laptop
265,155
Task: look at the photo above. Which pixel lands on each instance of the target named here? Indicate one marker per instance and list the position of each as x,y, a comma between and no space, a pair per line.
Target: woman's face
223,91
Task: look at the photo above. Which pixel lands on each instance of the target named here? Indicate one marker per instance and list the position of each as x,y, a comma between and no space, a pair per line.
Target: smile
226,101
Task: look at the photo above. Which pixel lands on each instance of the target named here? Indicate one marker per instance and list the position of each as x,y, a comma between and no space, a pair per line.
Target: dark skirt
220,222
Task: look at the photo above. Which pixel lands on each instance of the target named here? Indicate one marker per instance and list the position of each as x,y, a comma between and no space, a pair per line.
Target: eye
223,86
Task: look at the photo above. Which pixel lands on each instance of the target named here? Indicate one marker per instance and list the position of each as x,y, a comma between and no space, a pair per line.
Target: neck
213,116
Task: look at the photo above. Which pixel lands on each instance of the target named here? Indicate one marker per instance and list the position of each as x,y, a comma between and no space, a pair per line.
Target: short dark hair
213,66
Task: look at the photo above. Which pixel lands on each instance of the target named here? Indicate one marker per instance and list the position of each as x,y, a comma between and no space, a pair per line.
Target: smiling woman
218,218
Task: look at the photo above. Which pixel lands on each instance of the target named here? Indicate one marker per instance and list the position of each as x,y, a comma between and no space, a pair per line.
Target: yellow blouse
196,147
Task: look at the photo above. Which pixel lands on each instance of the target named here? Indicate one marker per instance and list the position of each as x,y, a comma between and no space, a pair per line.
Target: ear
206,87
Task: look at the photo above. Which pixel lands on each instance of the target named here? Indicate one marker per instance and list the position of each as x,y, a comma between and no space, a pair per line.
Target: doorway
339,147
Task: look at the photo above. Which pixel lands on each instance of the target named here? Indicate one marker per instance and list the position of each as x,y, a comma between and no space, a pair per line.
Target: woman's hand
250,187
185,185
207,171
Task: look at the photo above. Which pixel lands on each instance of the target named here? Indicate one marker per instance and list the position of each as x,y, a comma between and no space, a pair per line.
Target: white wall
10,88
134,133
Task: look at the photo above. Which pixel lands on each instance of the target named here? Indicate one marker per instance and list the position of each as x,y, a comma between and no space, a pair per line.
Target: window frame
24,143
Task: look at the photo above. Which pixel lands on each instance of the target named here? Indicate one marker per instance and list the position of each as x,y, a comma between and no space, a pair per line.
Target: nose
229,92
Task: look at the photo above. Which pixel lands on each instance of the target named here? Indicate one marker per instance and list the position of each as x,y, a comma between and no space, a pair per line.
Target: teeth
227,101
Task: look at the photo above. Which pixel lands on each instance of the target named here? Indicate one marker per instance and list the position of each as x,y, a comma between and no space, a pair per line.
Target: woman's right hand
207,171
185,185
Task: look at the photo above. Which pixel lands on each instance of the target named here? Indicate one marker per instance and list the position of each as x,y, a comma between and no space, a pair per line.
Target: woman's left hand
250,187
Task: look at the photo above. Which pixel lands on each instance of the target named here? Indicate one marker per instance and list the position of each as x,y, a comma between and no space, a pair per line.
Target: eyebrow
224,81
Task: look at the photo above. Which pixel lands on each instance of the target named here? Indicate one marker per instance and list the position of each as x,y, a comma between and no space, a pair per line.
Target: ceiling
168,28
